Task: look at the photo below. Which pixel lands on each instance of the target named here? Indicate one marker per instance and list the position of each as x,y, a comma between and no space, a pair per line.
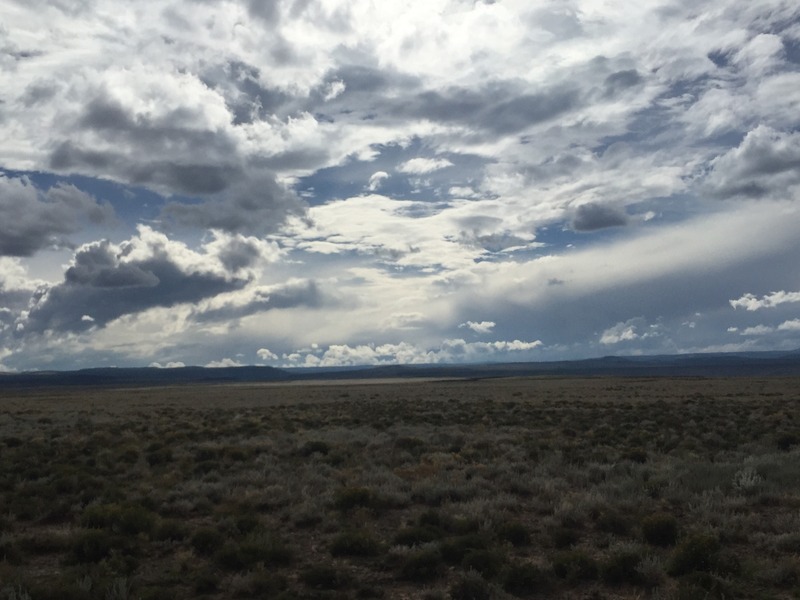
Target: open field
530,488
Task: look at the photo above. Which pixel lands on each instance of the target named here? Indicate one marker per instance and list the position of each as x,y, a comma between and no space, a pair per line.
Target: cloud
421,166
255,205
621,332
376,180
106,281
766,163
751,303
448,351
792,325
266,354
758,330
592,216
259,299
479,327
32,220
224,363
169,365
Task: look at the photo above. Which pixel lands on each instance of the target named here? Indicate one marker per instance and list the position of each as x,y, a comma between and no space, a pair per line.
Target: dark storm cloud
593,216
253,205
197,178
171,154
247,98
294,294
766,163
104,283
240,253
168,151
31,219
491,109
621,81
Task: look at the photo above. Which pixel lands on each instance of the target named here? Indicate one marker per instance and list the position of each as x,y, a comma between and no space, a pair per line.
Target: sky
328,182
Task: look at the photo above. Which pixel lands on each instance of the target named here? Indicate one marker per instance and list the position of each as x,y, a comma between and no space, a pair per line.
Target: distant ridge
740,364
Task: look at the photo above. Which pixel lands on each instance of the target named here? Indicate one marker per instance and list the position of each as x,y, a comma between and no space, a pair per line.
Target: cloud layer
240,181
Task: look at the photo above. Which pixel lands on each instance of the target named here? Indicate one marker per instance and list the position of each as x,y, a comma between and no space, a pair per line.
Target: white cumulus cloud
752,302
421,166
479,327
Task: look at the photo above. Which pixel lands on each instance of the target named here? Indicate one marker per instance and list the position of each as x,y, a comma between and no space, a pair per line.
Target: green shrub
456,548
564,537
9,550
417,535
267,549
325,577
486,562
355,543
313,447
611,521
637,455
704,585
230,557
660,529
574,565
471,587
515,533
786,441
206,582
621,567
160,456
170,530
91,546
423,565
525,580
247,523
129,519
354,497
698,552
206,540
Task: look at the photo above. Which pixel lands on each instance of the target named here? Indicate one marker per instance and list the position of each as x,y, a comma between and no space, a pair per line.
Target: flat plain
501,488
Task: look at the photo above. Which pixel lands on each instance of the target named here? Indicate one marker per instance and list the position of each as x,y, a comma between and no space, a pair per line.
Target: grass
528,488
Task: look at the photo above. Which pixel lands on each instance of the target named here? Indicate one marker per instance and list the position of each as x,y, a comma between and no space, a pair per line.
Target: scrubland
516,488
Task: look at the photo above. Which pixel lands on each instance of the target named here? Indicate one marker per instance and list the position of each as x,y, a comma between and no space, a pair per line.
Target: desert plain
590,488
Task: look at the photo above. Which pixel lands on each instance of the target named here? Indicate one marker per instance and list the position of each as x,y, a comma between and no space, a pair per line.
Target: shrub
206,540
91,546
353,497
170,530
417,535
355,543
422,565
703,585
525,580
620,568
786,441
564,537
486,562
455,549
660,529
471,587
637,455
312,447
267,549
325,577
129,519
206,582
611,521
230,557
698,552
574,565
515,533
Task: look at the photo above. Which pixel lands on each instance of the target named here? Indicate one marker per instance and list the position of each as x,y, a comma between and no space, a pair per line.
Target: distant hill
749,364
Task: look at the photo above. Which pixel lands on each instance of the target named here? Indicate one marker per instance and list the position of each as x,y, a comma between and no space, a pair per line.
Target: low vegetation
519,488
